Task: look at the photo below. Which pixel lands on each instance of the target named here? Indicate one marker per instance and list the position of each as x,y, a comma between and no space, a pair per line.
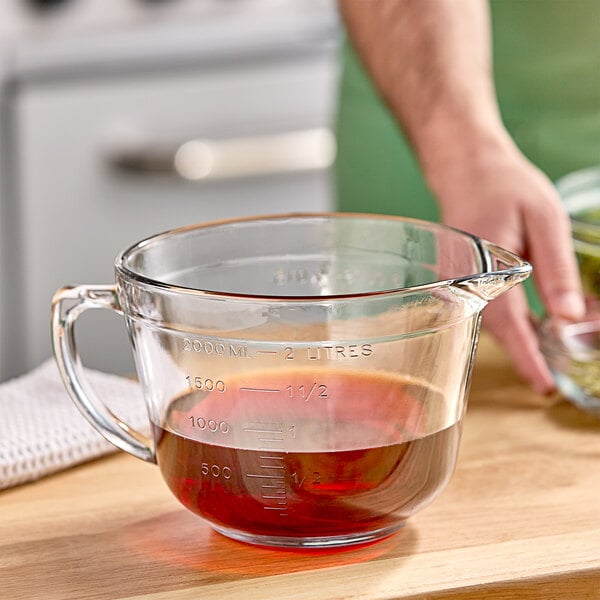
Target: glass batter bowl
305,375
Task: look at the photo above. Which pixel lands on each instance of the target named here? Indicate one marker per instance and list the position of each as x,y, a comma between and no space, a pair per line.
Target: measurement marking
271,457
273,508
266,352
279,439
264,476
275,487
265,390
276,449
272,498
271,466
250,430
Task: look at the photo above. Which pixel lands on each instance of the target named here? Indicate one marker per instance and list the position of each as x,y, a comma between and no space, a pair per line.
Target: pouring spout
502,271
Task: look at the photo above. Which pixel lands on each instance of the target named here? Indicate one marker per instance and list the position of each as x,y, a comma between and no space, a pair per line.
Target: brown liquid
350,462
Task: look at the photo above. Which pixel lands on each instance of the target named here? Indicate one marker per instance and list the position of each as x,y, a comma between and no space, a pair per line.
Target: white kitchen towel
41,430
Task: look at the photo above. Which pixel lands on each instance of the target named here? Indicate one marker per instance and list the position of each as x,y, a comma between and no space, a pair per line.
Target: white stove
97,98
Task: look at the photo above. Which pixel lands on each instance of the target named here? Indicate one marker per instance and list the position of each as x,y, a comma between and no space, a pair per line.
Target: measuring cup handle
68,303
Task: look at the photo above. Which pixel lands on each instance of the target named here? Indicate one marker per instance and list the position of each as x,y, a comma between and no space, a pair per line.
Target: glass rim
484,257
554,333
570,188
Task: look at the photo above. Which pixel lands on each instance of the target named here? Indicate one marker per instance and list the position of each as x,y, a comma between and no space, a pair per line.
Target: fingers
555,267
519,209
507,318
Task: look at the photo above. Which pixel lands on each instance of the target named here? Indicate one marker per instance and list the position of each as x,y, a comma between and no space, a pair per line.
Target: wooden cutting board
520,519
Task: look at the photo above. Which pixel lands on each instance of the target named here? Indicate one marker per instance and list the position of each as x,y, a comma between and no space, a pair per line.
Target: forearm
431,61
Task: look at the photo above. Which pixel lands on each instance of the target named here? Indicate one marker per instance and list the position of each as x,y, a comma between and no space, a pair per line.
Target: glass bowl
572,351
580,192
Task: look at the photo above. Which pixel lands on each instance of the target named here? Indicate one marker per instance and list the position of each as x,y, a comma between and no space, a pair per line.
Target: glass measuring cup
305,375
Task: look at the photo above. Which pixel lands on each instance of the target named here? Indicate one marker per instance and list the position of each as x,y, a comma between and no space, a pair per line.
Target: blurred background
123,118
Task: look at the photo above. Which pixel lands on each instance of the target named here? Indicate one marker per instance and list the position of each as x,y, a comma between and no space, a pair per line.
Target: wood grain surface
519,520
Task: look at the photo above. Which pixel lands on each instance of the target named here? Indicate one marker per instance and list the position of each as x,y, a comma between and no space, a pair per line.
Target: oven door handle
204,159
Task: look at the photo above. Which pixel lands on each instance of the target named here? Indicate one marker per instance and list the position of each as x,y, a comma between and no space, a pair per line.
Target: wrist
452,148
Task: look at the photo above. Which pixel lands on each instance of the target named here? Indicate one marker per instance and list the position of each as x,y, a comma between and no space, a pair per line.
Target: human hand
432,65
498,195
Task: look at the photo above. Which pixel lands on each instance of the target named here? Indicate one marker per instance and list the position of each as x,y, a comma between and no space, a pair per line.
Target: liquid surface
353,457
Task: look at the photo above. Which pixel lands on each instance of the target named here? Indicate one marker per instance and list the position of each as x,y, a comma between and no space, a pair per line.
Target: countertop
520,519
